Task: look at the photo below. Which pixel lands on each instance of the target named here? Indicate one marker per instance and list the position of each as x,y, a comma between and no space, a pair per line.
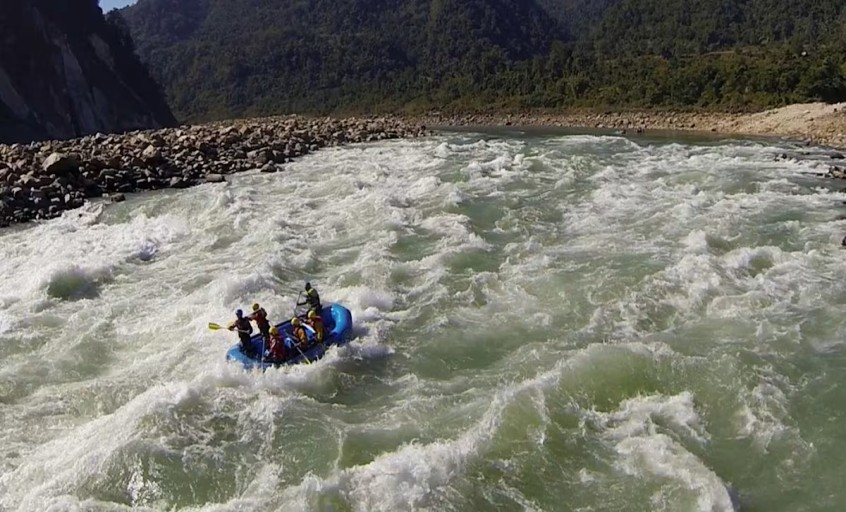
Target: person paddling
312,298
245,331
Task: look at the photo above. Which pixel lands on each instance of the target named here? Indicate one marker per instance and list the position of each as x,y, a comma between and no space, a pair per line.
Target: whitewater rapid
543,321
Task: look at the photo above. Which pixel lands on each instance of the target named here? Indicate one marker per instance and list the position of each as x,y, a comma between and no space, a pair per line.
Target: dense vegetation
219,58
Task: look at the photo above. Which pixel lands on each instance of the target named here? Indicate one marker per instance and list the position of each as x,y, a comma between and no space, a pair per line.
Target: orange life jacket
317,324
300,334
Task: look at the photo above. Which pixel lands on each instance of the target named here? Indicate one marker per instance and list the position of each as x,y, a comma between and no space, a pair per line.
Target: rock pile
41,180
624,120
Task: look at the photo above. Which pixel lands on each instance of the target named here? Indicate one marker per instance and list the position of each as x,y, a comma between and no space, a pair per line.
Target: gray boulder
59,163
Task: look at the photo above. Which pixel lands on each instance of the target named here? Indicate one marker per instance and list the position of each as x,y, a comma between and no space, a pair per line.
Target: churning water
544,321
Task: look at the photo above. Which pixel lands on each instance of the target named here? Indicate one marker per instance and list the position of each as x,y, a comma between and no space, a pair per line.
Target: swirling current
544,321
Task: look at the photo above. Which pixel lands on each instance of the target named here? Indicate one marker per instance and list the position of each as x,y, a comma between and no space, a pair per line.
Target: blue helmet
239,313
308,286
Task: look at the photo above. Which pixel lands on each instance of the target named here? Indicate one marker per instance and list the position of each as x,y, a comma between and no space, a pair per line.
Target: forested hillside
222,58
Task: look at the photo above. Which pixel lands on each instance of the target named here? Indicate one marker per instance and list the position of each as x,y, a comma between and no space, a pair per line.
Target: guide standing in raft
312,298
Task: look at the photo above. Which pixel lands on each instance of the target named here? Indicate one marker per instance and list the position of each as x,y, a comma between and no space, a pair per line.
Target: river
544,321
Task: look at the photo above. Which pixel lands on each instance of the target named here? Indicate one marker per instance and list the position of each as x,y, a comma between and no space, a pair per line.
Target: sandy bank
818,123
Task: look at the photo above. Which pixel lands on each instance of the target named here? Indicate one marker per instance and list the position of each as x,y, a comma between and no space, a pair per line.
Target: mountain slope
682,27
65,72
259,56
220,58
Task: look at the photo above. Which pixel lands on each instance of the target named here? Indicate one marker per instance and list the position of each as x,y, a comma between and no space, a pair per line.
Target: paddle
297,346
297,303
302,353
216,327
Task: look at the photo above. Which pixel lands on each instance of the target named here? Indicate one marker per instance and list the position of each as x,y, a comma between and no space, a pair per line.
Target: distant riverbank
815,123
40,180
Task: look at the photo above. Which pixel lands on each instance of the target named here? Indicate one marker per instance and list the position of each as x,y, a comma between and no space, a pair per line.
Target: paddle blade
215,327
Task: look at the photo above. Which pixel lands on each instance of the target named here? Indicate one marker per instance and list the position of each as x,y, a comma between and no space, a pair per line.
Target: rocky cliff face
65,71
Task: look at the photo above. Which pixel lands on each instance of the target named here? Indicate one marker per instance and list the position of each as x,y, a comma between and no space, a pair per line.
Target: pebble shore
634,121
812,123
41,180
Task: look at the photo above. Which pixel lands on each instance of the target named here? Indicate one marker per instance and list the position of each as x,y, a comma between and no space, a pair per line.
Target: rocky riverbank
815,123
41,180
638,121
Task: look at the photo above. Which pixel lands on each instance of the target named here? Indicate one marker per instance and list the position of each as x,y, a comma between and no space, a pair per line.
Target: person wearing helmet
245,330
312,298
277,351
316,323
259,316
298,332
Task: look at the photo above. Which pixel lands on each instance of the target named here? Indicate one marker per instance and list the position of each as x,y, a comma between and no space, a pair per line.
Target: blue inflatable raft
337,321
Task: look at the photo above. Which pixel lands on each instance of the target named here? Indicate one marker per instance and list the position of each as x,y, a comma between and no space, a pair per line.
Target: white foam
635,416
44,476
454,233
648,434
416,476
761,417
624,244
38,266
5,323
658,456
86,452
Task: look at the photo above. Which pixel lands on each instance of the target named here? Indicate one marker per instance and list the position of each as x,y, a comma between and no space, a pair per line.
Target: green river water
544,321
